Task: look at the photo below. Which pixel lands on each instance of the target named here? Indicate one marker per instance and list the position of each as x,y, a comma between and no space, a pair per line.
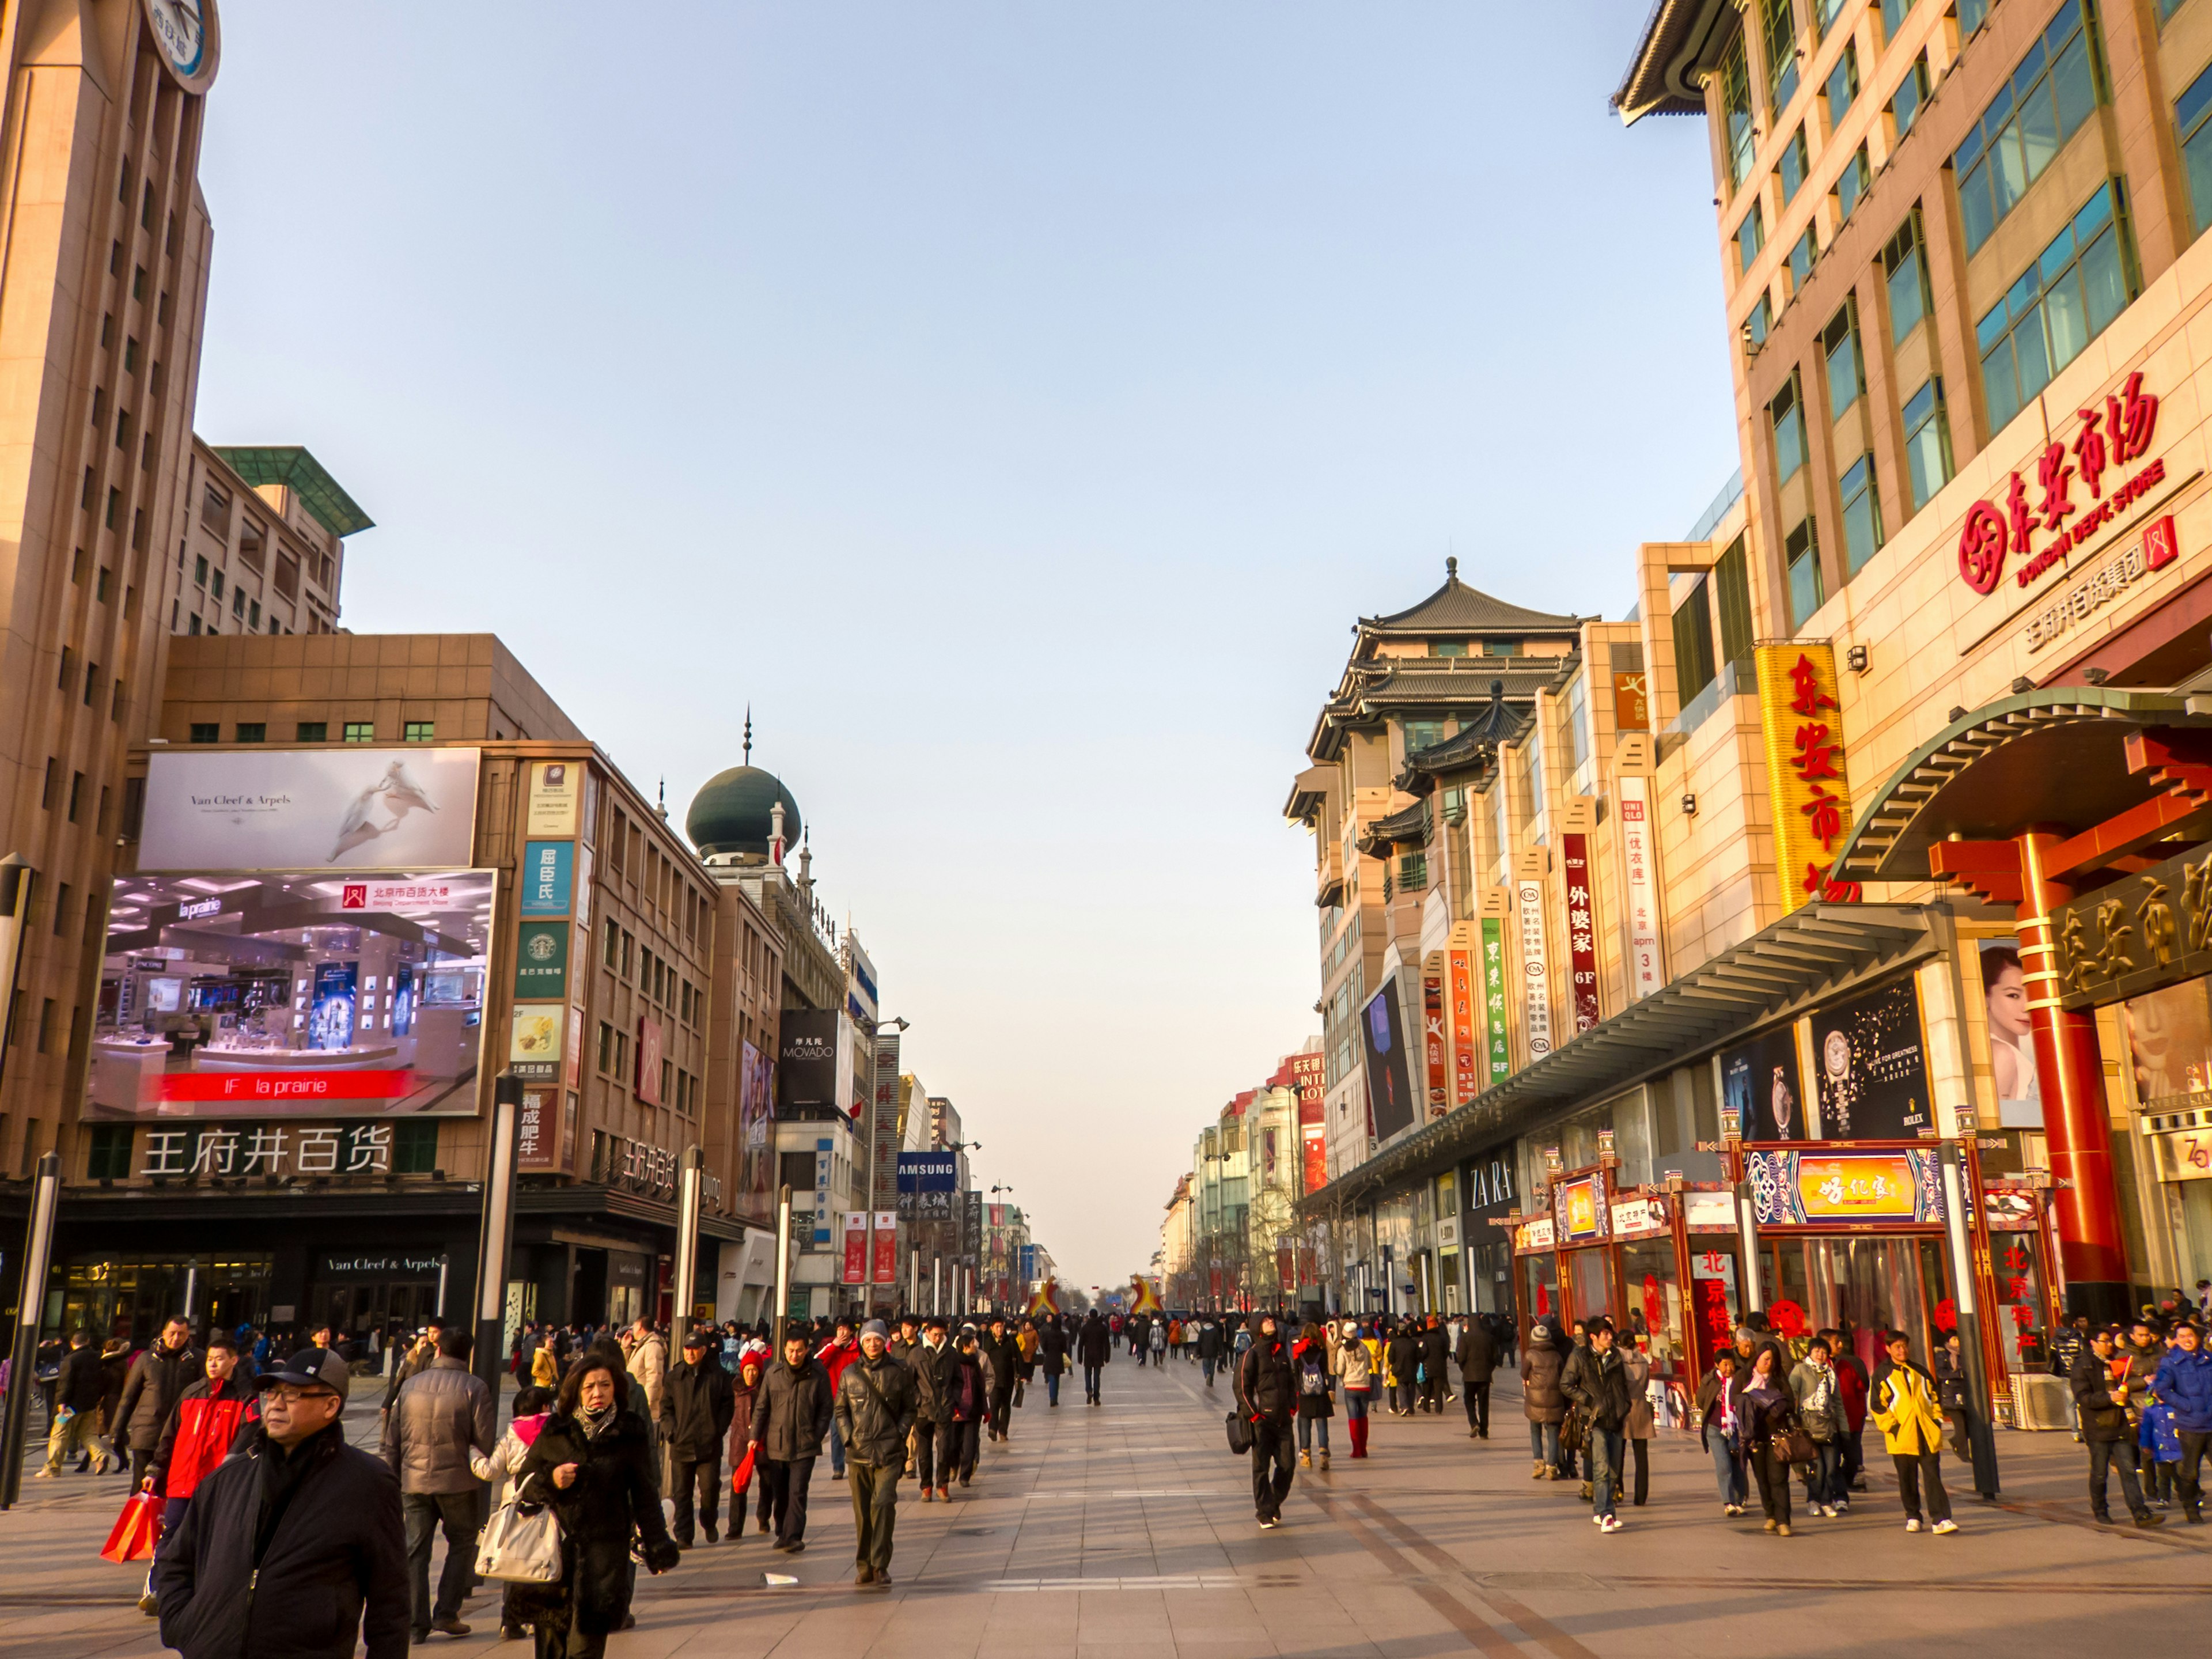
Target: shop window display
1861,1285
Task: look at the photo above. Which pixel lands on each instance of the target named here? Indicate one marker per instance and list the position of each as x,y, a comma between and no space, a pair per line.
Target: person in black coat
701,1406
1094,1348
1402,1351
593,1462
936,1374
80,1386
1436,1353
1267,1394
1476,1354
791,1415
294,1548
1051,1358
1002,1360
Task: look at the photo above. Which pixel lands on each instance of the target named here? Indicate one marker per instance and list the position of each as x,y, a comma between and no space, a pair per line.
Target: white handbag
520,1545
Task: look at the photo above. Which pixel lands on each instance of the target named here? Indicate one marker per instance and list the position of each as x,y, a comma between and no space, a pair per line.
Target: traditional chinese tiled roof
1681,43
1408,827
1475,744
1455,608
1384,685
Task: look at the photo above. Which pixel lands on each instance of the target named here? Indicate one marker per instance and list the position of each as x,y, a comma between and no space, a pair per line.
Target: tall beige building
104,251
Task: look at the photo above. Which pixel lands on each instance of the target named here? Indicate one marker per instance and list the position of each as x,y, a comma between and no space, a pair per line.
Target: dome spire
749,734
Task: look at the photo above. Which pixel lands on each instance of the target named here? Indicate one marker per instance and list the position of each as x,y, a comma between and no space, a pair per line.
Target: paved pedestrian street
1130,1527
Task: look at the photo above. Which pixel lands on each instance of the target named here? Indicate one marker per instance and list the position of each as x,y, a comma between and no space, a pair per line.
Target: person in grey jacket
791,1415
442,1419
157,1381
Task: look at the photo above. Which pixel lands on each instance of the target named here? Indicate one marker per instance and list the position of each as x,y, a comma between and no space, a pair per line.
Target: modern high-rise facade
104,256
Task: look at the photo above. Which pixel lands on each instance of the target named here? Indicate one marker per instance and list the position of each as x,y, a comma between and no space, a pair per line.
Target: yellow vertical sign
1800,717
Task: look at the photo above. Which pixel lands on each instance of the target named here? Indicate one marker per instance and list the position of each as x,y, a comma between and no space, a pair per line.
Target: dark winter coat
1436,1351
338,1553
1543,1366
1477,1352
875,1409
742,1396
1002,1360
2103,1417
1266,1385
791,1413
158,1380
1765,1415
2185,1383
1052,1348
1403,1353
82,1381
613,1497
1598,1383
936,1378
1542,1363
966,1391
1305,1357
1209,1339
700,1409
1094,1344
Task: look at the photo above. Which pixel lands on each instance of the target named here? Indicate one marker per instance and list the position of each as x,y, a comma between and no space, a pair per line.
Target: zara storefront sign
2109,439
2153,550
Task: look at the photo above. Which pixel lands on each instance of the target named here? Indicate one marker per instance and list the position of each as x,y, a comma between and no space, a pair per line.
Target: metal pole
1981,1441
690,1188
912,1281
30,1305
497,1232
192,1290
17,880
937,1286
782,1265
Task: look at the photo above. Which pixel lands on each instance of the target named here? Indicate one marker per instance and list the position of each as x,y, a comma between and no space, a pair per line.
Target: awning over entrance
2059,758
1816,950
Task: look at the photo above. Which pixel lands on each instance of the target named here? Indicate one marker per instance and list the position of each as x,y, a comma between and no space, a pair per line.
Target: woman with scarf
971,1405
1766,1416
1355,1368
593,1461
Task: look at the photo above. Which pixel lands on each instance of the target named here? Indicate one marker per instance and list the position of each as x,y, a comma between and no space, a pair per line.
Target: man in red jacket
202,1427
838,1351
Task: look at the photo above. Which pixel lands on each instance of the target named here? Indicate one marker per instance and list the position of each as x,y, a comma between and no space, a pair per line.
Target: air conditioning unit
2040,1401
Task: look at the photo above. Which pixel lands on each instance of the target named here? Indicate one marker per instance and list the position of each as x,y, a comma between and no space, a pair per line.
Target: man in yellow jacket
1905,1407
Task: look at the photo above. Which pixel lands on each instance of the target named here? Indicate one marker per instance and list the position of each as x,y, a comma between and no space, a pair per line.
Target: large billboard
1759,1080
1389,1084
297,993
344,807
1872,1074
806,1067
755,1194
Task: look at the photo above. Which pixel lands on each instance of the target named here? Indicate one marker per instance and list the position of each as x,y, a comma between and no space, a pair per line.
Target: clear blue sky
1015,405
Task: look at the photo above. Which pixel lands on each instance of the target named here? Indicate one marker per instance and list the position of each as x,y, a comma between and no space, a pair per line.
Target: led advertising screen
1390,1081
345,807
291,994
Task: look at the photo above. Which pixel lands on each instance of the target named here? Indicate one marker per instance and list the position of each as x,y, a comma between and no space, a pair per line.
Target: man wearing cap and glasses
296,1545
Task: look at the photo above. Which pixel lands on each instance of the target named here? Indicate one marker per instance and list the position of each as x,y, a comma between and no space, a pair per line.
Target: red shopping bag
136,1528
741,1476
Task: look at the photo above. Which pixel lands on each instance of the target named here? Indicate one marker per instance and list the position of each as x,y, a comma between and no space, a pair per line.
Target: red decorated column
2070,1072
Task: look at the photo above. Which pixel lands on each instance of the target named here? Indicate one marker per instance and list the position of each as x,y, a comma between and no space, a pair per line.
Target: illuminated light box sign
1809,1190
342,807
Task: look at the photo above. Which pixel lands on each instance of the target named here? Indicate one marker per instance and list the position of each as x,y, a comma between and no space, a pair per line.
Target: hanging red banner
1433,1023
856,1247
1582,935
886,1247
1464,1086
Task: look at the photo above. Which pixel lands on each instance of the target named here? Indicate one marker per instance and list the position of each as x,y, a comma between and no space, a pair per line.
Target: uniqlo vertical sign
1582,939
1493,999
1646,971
856,1247
1535,971
1460,993
886,1248
1432,1039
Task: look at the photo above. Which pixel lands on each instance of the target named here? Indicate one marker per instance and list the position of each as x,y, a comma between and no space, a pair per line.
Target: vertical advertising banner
1390,1088
886,1247
1582,938
1799,716
1638,884
1461,970
1536,971
1433,1038
1493,999
881,1147
856,1247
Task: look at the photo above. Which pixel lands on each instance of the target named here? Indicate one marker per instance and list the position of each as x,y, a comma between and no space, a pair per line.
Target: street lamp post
497,1232
30,1303
689,1191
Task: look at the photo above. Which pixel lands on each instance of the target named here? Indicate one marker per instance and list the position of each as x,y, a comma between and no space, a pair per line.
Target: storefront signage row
1432,1039
1791,1188
1493,999
1638,848
2109,438
1639,1217
2148,929
270,1149
1582,934
1800,719
1465,1079
1535,972
651,1172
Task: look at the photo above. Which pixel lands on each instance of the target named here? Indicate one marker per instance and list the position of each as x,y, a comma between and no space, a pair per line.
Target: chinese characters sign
1638,851
2150,929
2154,550
1493,999
268,1149
1535,971
1811,803
1432,1029
1798,1190
1461,967
2110,437
1582,938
